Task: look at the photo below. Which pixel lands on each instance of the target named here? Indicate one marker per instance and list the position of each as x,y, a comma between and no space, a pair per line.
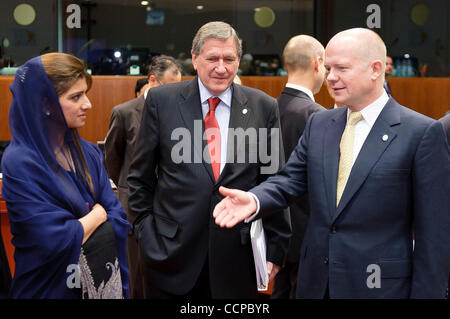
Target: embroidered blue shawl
45,201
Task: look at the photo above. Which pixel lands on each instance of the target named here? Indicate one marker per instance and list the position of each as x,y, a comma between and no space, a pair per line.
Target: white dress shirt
301,88
222,116
362,128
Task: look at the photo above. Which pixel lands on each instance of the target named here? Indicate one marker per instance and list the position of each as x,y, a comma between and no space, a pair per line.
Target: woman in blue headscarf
69,229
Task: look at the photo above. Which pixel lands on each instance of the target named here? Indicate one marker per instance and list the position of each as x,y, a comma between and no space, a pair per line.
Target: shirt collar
371,112
301,88
225,96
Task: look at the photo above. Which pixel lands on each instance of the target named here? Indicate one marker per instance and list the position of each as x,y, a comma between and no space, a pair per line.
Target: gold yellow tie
346,148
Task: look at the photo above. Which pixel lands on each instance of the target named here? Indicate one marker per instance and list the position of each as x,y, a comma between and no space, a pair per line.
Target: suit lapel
191,112
237,120
331,155
380,137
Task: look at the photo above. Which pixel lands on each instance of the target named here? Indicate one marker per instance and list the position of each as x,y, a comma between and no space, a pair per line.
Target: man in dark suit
446,124
119,150
186,149
376,172
445,121
303,58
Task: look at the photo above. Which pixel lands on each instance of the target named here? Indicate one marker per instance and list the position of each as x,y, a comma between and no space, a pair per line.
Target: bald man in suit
303,58
388,72
376,172
119,150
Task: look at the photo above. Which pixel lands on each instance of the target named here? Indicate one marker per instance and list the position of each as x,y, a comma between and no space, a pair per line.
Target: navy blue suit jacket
397,188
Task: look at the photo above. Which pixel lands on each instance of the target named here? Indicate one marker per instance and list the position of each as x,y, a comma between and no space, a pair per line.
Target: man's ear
194,60
316,62
377,69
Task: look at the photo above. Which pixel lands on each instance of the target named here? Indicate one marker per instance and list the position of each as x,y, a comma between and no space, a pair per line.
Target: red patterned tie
213,136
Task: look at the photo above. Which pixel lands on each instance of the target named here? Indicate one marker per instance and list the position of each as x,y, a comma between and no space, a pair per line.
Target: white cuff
250,218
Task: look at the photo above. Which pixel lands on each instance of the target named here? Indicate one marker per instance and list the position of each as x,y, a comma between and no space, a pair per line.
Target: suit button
325,261
333,230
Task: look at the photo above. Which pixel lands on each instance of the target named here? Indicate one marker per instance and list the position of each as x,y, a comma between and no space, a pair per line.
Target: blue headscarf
44,200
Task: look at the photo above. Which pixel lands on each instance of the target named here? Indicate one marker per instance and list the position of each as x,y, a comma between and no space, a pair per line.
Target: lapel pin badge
244,111
385,137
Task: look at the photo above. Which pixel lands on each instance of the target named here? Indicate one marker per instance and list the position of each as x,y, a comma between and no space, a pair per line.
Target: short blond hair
300,51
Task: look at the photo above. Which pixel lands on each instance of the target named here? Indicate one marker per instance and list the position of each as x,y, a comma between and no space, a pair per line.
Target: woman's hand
92,221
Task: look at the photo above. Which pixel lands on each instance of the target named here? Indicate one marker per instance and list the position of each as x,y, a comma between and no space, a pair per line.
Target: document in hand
259,254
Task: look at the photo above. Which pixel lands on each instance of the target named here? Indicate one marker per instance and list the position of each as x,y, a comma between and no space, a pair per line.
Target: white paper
113,186
259,254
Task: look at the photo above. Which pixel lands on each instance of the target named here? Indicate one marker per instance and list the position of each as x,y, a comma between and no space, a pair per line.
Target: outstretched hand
234,208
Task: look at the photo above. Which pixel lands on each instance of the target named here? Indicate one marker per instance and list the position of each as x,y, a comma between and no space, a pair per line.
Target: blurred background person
237,80
387,73
140,87
303,58
119,149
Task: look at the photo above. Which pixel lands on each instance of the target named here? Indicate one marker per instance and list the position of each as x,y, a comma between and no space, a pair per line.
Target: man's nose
220,68
331,76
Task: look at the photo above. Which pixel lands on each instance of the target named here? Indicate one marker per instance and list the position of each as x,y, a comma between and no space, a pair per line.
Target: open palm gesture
234,208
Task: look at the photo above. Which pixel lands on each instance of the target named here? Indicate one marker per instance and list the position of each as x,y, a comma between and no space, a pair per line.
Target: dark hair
161,63
139,84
